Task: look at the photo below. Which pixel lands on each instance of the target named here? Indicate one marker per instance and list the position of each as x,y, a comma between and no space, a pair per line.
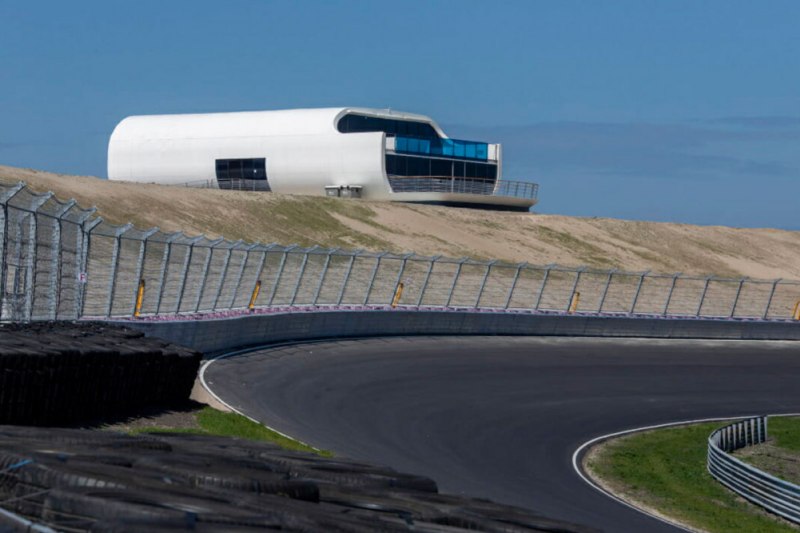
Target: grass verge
213,422
664,471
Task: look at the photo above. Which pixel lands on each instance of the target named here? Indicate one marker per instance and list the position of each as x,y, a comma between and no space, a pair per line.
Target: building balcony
452,185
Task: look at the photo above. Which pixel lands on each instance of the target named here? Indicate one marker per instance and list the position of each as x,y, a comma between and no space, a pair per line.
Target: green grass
666,470
218,423
786,432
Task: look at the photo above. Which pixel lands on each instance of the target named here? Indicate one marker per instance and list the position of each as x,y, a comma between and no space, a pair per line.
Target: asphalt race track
500,417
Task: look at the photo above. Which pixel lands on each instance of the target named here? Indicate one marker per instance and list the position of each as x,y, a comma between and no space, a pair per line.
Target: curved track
500,417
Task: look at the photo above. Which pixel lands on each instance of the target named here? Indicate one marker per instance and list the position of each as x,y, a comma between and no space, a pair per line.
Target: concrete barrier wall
218,335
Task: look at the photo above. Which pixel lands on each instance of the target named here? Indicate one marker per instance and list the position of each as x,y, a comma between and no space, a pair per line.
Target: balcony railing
442,147
446,184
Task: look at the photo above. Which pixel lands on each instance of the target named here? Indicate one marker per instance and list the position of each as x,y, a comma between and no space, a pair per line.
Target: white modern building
346,151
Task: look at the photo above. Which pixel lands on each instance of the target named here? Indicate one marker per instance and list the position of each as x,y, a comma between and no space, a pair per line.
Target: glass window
441,167
353,123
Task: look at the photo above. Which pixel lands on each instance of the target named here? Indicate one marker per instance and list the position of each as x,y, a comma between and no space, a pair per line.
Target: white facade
303,151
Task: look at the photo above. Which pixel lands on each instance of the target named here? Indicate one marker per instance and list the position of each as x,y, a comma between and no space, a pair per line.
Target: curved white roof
249,123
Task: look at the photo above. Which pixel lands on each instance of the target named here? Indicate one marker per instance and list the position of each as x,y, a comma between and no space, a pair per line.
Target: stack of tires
62,372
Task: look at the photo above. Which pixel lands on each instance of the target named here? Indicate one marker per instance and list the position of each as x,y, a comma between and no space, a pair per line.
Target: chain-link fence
60,261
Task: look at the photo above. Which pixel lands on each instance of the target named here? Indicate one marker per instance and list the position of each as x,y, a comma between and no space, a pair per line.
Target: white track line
586,445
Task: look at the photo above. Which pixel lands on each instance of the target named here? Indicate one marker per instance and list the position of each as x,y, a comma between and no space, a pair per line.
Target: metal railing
60,261
770,492
455,185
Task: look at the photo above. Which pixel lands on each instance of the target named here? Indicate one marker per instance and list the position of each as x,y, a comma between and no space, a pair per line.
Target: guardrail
60,261
772,493
455,185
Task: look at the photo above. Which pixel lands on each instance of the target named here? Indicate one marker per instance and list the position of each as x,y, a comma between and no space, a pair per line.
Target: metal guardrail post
56,258
204,274
241,272
164,265
427,278
374,274
5,197
140,265
703,295
638,291
543,285
455,280
483,282
112,278
738,293
605,290
224,273
187,264
574,288
280,272
769,299
303,264
671,290
322,275
510,294
355,254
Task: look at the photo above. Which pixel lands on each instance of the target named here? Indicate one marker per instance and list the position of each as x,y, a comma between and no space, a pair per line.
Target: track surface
499,417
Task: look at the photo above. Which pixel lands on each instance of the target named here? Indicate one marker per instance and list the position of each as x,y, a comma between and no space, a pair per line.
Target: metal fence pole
374,274
224,273
483,282
187,264
671,290
575,287
241,272
303,264
86,249
455,280
703,295
543,285
514,284
347,276
638,290
140,264
260,268
280,272
771,295
605,290
322,275
427,278
56,257
6,197
204,274
112,278
30,278
162,277
400,274
738,293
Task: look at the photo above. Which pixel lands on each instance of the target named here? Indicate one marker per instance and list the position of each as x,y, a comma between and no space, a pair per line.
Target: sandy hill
431,230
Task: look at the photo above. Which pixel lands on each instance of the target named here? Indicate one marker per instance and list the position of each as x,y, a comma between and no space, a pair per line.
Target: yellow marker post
397,295
139,299
256,290
573,305
796,312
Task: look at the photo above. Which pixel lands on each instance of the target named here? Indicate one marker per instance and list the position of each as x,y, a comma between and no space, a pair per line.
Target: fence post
31,276
303,264
483,282
771,295
204,275
241,272
260,269
605,290
455,279
374,274
347,276
80,256
427,278
571,300
164,265
6,197
224,273
187,264
671,290
638,290
86,250
703,295
738,293
56,257
399,279
112,278
140,265
322,275
543,285
280,272
514,284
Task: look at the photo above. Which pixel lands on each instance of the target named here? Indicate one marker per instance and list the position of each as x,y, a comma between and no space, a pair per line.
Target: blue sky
657,110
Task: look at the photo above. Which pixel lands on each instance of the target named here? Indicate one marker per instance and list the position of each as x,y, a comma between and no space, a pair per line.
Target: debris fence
61,261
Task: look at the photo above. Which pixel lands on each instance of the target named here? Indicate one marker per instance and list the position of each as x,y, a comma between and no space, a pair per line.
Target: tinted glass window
359,123
243,174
